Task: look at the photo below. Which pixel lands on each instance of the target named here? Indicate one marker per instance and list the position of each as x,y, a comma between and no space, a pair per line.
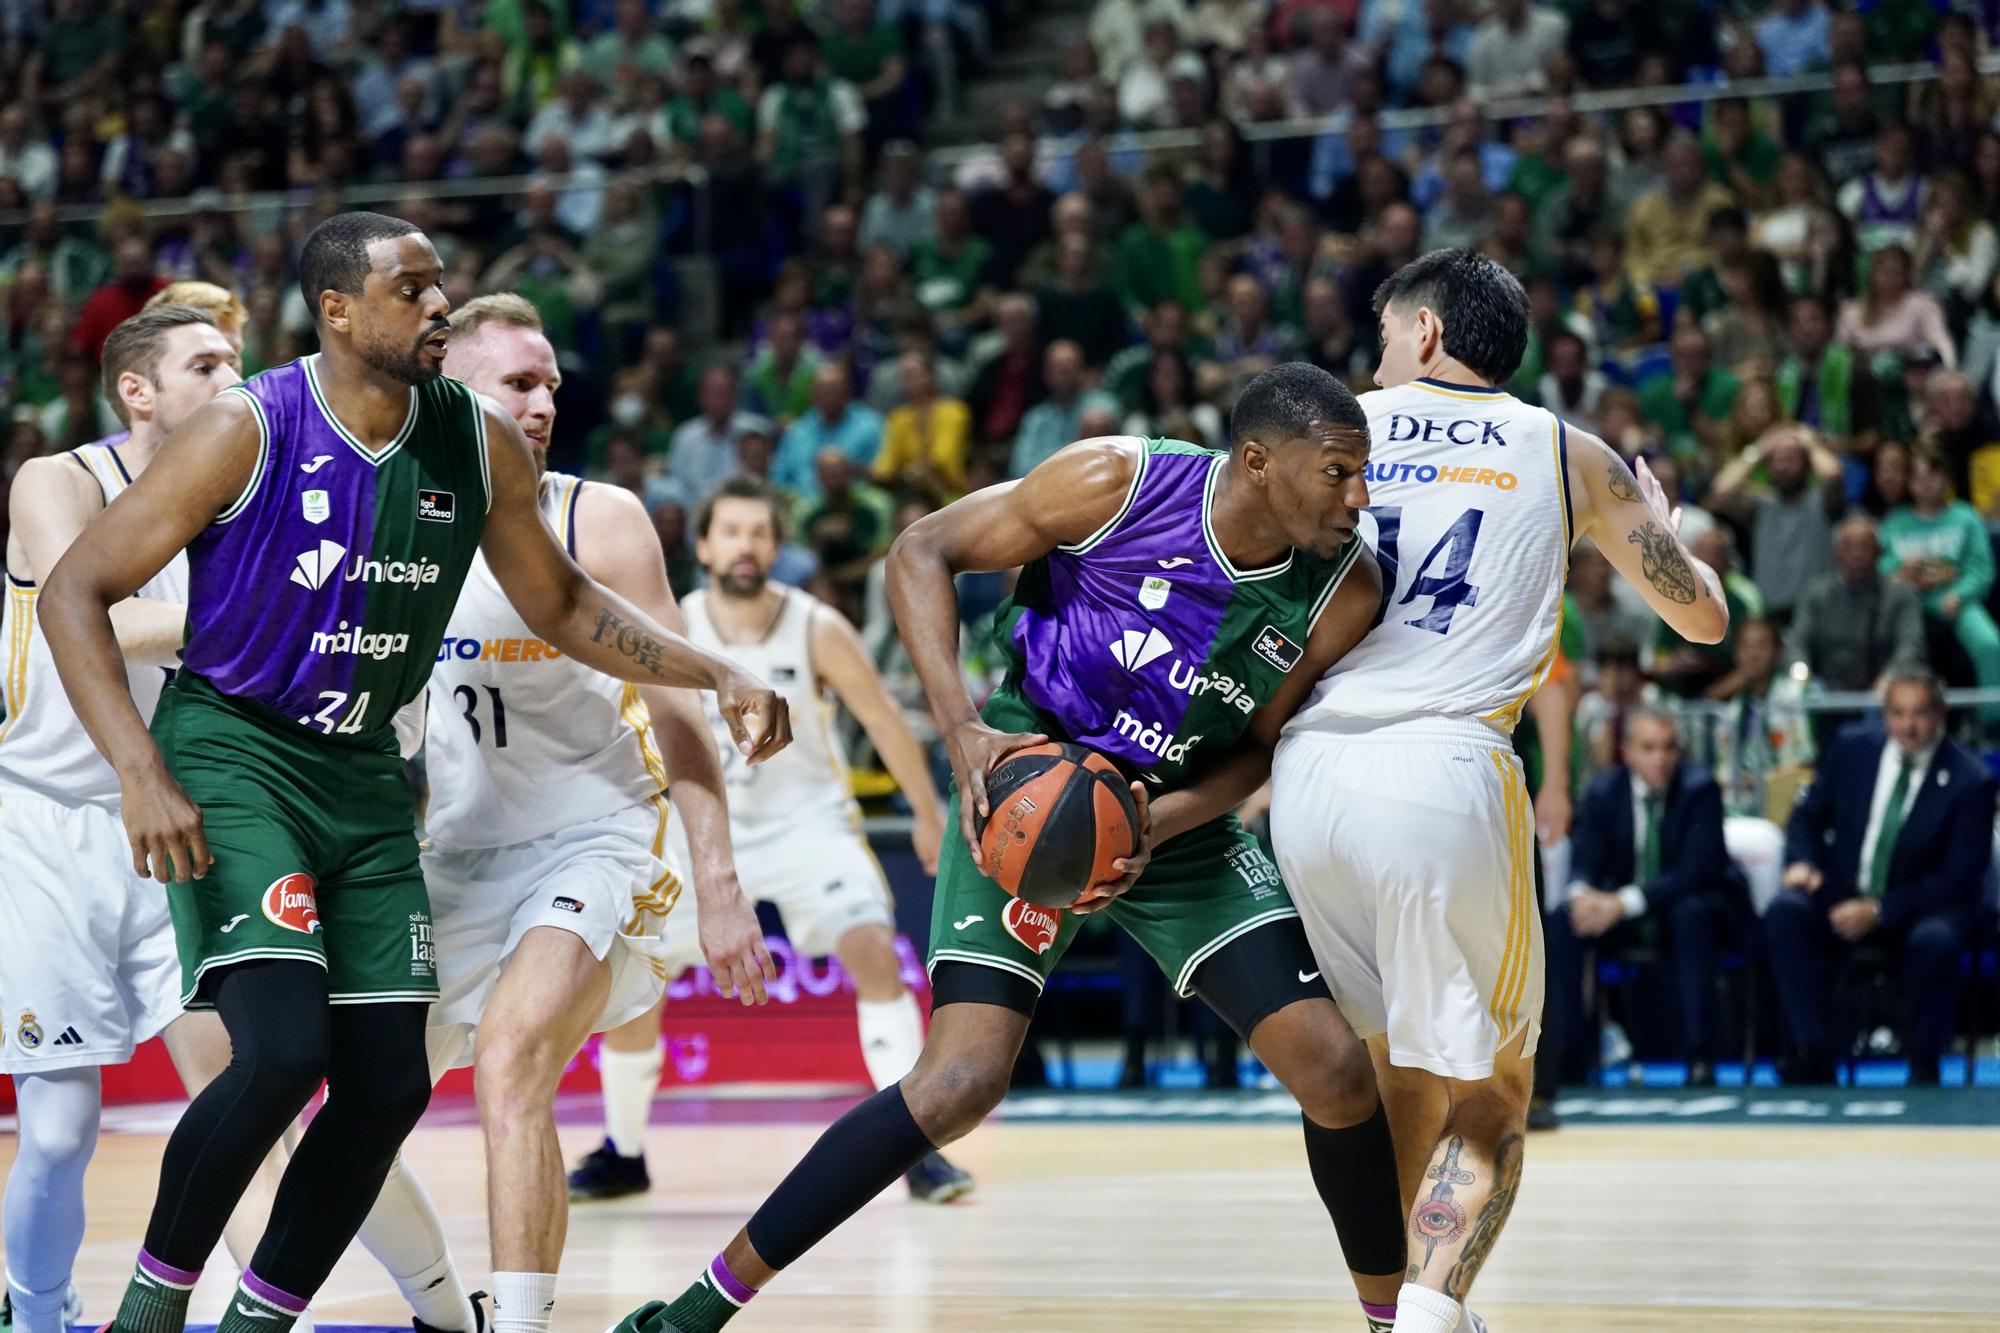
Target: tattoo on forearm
1665,567
1486,1227
1623,485
1440,1219
629,640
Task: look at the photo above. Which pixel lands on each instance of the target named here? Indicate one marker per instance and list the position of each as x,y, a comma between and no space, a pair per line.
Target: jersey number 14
1451,556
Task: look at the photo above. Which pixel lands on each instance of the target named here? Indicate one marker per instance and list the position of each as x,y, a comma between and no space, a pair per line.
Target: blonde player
795,825
88,969
223,306
1399,813
546,830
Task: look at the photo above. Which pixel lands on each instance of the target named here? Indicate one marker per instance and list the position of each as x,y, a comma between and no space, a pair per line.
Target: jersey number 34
1440,576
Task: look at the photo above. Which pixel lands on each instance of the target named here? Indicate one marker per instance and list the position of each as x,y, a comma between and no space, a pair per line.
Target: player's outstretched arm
1638,529
842,663
202,469
616,545
595,625
1247,765
50,504
1064,499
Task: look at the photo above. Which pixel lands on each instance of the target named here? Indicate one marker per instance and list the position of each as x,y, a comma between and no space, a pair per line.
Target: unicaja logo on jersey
312,569
290,903
412,572
1137,649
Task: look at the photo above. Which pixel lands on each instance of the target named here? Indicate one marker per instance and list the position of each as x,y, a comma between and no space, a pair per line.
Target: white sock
1421,1310
37,1311
404,1234
630,1079
892,1036
523,1302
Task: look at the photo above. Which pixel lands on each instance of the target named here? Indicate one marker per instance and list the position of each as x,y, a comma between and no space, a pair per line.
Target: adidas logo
69,1037
1136,650
314,568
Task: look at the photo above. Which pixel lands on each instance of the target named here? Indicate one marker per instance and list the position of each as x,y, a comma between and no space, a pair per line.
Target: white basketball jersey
43,746
519,740
1469,517
805,784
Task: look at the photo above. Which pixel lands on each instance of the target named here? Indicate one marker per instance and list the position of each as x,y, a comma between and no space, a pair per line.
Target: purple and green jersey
323,592
1144,642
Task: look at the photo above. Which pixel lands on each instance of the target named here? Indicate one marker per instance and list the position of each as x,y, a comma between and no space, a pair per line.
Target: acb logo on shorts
290,903
1034,926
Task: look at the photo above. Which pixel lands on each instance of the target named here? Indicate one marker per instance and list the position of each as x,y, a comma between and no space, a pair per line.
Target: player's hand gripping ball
1061,815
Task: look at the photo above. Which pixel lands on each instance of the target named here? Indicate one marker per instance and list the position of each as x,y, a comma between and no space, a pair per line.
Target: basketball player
99,976
547,824
796,828
1176,605
1399,812
331,509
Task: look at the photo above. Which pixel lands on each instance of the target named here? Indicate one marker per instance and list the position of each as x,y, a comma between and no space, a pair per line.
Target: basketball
1061,815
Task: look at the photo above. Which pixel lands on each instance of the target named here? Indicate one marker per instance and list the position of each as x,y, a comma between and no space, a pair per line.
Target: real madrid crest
28,1032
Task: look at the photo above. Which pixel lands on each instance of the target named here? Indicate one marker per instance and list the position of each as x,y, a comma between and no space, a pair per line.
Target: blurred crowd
1786,301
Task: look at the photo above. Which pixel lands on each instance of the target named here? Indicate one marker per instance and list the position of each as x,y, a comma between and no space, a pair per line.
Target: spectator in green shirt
1939,546
1728,240
633,41
779,381
1740,156
702,95
1160,257
1691,402
869,55
950,272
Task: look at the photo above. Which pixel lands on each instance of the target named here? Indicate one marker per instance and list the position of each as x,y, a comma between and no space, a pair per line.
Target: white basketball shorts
1408,851
822,879
606,881
87,962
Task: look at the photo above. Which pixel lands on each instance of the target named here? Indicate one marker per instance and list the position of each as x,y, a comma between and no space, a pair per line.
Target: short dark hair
1482,306
138,343
743,487
334,257
1284,401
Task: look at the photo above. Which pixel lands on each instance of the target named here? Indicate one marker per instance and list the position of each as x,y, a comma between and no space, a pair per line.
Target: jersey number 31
1447,586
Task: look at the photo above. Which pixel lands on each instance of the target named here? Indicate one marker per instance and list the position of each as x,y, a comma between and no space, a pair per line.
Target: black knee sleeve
860,1155
1354,1170
1255,975
976,983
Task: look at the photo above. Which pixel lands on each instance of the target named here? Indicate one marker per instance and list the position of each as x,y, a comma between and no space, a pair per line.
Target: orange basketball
1061,815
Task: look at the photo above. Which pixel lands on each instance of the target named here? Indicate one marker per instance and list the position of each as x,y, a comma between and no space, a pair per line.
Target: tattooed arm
1637,527
593,624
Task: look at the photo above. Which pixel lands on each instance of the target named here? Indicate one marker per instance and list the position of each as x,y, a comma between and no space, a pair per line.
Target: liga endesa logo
290,903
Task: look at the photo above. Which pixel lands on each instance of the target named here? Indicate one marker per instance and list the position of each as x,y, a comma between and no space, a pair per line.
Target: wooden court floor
1140,1226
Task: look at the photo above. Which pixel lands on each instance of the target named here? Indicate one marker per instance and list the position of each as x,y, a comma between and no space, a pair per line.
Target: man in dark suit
1648,865
1889,846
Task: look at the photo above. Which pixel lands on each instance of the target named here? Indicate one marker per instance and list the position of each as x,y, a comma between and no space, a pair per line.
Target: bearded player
1398,810
1176,605
795,825
331,510
547,824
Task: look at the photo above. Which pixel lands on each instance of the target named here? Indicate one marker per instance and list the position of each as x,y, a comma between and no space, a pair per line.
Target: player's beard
405,365
741,586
